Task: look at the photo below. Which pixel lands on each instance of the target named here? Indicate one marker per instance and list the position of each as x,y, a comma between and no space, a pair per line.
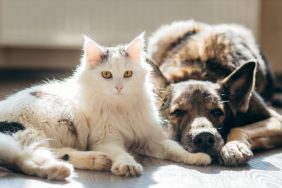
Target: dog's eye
217,112
178,113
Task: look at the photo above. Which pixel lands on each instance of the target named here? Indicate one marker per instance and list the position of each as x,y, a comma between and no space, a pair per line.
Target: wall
41,23
271,33
48,33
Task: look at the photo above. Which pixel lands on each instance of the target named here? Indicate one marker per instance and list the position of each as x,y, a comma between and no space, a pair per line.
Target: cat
90,120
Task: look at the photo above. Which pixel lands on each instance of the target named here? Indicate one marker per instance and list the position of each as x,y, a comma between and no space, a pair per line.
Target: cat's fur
89,112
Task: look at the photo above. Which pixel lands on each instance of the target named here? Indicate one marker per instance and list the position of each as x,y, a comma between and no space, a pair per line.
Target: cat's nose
119,88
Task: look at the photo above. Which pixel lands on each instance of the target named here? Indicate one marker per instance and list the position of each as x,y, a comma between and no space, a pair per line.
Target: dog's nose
204,140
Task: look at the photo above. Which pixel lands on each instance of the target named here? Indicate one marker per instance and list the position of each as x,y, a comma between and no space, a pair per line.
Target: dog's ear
159,81
161,88
239,86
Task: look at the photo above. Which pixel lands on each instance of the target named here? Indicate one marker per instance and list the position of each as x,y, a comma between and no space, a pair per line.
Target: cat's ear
134,49
93,51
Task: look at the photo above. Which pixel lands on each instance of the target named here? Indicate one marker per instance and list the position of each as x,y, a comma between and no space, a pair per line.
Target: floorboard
262,171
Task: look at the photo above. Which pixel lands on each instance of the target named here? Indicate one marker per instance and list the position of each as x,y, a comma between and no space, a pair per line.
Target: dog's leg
171,150
266,142
87,160
270,128
260,135
123,163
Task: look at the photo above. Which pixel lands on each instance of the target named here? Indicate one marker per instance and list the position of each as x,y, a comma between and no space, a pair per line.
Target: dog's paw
197,159
235,153
127,168
56,170
98,161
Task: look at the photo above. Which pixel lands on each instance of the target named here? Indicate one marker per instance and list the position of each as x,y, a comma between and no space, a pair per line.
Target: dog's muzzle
207,141
202,137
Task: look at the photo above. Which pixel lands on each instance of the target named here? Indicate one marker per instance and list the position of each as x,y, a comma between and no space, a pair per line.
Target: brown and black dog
211,95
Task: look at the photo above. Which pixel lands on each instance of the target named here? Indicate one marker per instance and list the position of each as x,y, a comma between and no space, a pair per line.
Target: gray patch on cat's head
110,51
123,52
105,55
69,124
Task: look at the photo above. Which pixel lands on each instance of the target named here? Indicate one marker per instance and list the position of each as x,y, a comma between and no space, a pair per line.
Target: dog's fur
210,94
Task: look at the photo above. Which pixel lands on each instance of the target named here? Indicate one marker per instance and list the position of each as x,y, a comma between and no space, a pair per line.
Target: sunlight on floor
28,183
175,176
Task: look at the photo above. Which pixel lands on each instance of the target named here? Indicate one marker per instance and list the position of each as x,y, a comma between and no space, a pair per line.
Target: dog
211,96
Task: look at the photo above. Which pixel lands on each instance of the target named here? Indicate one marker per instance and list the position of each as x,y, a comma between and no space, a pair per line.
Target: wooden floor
264,170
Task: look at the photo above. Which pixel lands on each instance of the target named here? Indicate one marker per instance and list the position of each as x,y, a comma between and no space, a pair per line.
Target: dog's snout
204,140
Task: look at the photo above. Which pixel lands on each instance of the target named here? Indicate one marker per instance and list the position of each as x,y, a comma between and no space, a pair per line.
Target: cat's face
116,71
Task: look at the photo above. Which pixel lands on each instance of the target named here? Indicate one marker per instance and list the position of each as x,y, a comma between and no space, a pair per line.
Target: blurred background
40,37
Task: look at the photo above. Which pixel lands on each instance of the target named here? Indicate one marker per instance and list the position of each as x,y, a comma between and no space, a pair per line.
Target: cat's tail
167,37
10,150
32,159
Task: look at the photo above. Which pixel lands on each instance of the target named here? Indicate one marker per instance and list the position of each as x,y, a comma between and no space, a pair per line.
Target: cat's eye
217,112
107,74
128,74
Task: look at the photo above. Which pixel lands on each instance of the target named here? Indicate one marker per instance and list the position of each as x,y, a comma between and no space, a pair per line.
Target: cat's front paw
127,168
235,153
197,159
98,161
56,170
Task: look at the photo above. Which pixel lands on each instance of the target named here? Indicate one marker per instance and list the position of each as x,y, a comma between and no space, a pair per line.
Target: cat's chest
121,123
114,119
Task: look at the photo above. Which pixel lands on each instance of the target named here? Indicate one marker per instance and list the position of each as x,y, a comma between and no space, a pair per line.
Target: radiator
61,23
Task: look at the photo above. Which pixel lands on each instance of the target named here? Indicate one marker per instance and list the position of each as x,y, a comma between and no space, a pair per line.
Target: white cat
91,119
